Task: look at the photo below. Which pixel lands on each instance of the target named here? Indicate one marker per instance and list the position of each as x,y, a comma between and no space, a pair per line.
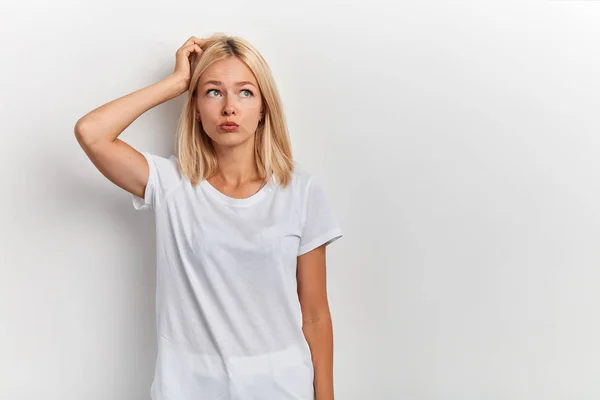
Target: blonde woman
241,231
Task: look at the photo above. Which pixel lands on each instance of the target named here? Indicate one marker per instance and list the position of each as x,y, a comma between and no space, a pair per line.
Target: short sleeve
163,176
320,223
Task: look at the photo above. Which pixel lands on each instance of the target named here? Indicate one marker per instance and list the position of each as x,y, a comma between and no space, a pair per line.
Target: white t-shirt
229,323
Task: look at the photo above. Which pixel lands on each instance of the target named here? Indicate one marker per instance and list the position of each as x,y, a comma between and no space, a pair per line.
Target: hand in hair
186,56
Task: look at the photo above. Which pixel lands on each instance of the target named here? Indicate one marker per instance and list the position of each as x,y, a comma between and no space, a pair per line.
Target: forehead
228,71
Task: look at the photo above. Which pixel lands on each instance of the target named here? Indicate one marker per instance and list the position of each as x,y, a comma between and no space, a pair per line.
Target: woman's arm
317,325
97,133
108,121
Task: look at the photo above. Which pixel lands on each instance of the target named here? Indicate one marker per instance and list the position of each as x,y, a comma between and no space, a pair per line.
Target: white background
457,141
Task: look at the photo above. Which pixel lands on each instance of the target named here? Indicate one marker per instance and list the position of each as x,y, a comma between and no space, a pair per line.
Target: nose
228,108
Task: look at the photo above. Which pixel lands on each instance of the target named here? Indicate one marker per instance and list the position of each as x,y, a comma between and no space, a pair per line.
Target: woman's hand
186,56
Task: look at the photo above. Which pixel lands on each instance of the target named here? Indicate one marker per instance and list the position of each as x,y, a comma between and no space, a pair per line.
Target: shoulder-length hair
194,149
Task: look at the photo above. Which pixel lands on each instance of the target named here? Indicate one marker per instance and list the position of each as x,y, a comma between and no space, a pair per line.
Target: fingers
193,40
189,49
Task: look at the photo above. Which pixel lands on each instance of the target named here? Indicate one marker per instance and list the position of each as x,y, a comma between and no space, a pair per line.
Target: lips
229,124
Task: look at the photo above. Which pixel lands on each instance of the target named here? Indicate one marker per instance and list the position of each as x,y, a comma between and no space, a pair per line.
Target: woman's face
228,92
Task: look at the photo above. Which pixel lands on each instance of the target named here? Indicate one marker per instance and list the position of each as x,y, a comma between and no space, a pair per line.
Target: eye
211,90
250,93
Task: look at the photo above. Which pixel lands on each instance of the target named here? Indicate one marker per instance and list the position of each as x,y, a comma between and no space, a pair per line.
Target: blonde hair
272,149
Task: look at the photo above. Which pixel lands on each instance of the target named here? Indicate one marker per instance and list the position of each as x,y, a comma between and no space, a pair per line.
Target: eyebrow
219,83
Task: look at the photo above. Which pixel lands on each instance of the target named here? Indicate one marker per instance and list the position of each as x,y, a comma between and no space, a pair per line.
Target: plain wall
457,141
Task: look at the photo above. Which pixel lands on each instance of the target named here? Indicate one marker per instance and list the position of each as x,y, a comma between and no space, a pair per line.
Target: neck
237,165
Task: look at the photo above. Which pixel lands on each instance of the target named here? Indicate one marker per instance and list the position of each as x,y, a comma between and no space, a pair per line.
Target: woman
241,303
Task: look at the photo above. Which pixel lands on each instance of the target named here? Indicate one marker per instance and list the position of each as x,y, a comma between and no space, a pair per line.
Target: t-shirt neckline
232,201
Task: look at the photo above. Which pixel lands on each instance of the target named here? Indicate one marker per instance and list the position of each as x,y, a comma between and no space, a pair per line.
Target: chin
230,139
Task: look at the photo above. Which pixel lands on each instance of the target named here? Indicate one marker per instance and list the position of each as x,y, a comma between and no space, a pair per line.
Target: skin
238,177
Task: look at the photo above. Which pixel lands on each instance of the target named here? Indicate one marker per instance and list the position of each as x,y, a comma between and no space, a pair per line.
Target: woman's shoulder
167,166
301,176
163,178
305,183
